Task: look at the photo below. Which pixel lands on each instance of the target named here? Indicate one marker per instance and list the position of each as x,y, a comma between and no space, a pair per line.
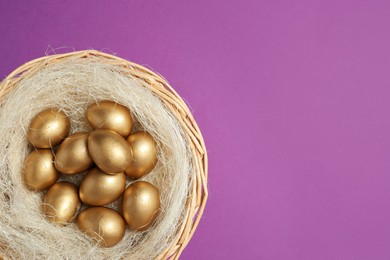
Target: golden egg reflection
48,128
61,202
39,172
109,115
99,188
140,205
72,156
144,154
110,151
104,224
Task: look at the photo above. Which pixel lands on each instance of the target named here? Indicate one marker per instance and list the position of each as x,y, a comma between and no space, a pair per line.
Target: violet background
292,97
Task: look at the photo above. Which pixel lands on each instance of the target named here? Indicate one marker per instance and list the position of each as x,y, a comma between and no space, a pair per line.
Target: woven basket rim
197,197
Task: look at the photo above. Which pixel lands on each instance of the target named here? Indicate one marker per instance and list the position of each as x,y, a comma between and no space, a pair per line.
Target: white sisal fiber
72,84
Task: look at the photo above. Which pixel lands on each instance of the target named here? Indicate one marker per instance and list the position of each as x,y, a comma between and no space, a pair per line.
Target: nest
71,82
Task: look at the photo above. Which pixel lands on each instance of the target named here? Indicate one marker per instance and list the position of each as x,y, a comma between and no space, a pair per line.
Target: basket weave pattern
159,86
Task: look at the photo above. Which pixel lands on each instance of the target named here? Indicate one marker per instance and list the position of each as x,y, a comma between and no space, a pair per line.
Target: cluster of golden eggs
109,153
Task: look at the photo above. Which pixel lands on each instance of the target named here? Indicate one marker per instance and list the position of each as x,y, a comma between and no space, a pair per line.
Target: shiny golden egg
48,128
99,188
39,172
140,205
61,202
109,115
72,156
144,154
104,224
110,151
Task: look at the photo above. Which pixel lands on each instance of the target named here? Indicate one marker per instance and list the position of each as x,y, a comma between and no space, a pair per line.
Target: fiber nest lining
71,83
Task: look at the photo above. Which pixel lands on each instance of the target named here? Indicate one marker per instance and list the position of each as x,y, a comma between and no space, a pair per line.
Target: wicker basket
159,86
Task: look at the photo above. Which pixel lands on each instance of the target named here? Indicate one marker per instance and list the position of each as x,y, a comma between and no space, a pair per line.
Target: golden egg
48,128
144,154
99,188
39,172
109,115
72,155
110,151
103,224
61,202
141,204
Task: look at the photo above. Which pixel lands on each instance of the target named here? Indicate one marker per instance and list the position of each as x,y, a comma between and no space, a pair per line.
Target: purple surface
292,98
